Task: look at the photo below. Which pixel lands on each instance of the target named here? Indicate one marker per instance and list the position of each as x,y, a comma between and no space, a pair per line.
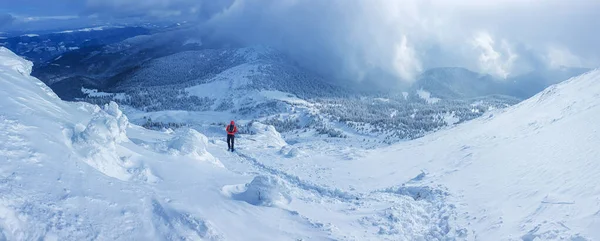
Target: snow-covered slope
534,167
529,172
74,171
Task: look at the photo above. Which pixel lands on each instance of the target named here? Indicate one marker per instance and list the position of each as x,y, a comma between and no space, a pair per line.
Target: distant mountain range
41,48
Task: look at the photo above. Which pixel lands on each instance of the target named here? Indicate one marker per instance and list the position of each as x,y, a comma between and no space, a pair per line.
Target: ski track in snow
302,184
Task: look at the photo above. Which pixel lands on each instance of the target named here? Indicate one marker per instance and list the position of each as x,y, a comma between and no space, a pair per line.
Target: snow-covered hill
528,172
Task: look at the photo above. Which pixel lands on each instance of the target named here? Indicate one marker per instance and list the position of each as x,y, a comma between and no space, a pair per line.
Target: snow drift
97,141
264,191
267,135
189,142
290,152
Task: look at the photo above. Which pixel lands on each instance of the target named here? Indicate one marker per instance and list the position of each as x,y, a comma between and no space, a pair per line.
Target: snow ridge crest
12,61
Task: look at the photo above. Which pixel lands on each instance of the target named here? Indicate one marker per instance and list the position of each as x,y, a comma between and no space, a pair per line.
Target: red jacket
231,131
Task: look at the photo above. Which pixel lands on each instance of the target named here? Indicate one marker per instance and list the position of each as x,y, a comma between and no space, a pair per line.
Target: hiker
231,130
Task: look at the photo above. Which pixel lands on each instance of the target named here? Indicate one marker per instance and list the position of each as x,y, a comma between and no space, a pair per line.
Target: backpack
231,128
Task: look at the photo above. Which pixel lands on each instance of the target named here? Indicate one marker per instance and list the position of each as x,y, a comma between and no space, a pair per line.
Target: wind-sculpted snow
291,152
264,191
188,142
267,135
10,60
97,141
107,127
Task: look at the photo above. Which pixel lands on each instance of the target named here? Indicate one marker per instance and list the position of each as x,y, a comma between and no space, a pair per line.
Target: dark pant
230,141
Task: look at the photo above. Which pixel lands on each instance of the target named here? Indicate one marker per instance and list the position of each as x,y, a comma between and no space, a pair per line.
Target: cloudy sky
370,39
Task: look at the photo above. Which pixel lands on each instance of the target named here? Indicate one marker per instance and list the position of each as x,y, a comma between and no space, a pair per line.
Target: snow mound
107,127
265,191
14,62
97,142
267,135
189,142
290,152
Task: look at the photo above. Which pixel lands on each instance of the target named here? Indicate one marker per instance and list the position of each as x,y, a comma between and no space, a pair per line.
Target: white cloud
557,57
406,64
45,18
494,59
363,40
356,38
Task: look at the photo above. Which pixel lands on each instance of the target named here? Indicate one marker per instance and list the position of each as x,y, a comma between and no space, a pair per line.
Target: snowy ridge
87,29
10,60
